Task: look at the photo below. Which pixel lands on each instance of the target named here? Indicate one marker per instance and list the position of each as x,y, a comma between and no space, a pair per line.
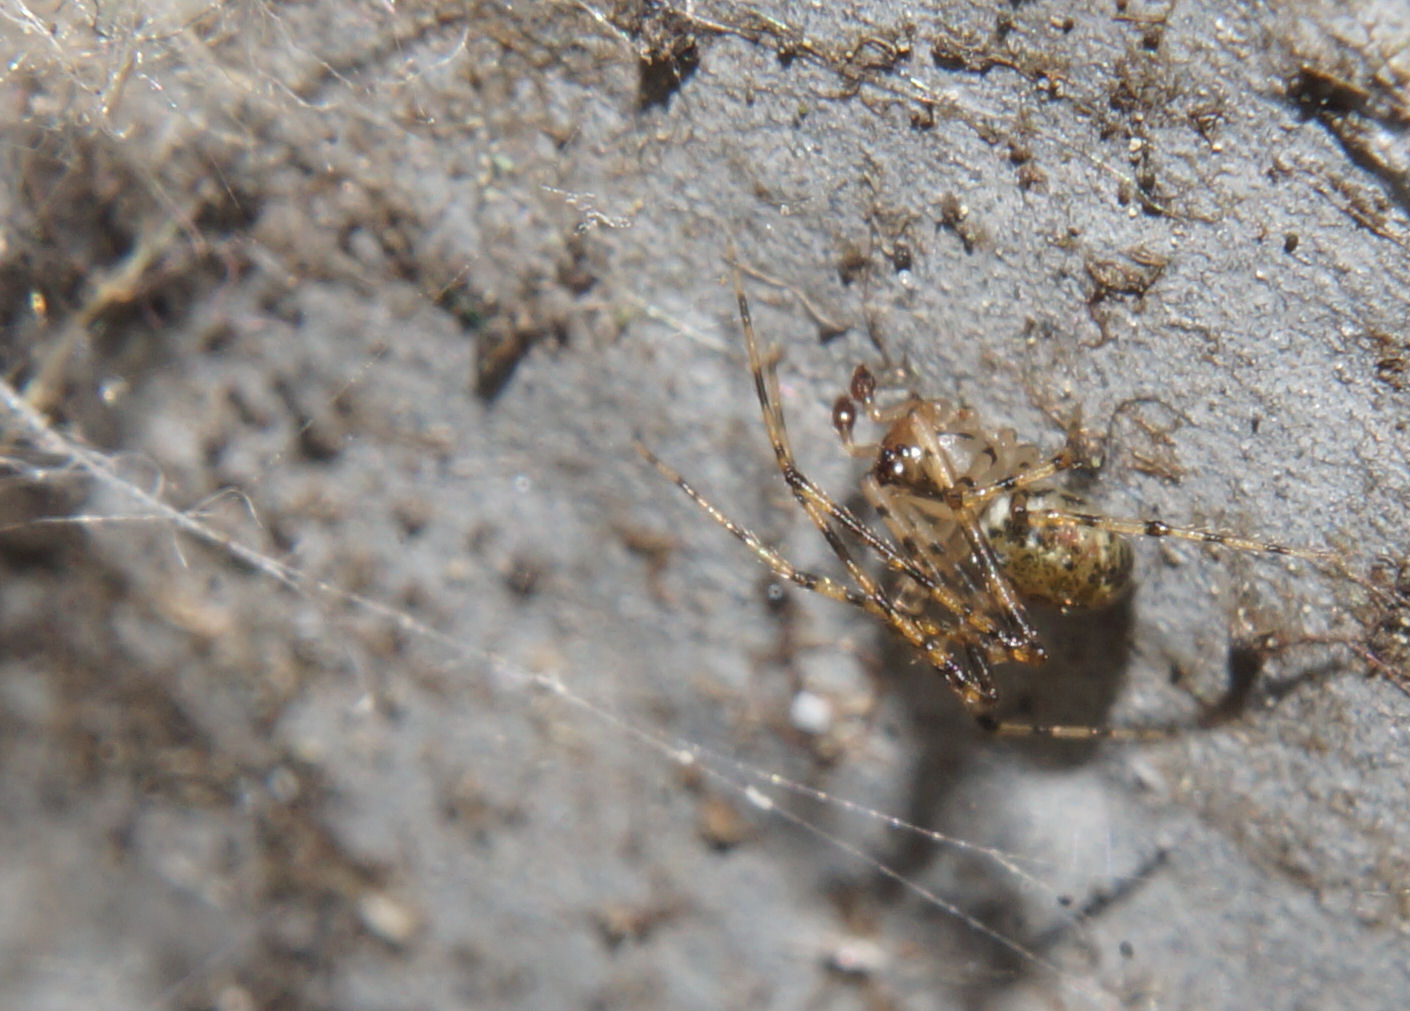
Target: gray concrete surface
379,295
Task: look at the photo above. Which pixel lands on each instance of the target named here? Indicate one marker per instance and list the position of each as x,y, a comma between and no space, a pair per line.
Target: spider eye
890,466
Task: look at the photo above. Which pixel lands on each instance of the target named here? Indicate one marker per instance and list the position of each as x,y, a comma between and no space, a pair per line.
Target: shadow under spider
1088,657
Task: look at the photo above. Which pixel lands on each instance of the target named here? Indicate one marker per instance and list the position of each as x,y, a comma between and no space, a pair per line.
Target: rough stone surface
384,293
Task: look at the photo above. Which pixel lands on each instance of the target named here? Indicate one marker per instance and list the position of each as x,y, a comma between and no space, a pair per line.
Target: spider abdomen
1064,565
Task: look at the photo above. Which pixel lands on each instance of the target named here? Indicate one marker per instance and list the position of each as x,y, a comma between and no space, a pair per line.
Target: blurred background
351,657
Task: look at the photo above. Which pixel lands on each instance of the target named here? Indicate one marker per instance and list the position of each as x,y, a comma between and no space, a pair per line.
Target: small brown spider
976,529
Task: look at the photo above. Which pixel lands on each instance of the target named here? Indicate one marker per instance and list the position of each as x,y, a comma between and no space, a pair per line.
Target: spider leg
1065,459
816,503
1159,528
768,555
1025,646
1075,732
972,683
950,586
911,597
928,577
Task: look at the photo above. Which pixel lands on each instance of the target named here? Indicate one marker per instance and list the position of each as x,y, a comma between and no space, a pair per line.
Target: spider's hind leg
1077,732
770,556
1159,528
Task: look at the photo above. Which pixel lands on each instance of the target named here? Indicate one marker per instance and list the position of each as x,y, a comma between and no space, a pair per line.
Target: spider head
898,463
932,450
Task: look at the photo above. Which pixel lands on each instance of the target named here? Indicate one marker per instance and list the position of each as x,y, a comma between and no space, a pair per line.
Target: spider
976,529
